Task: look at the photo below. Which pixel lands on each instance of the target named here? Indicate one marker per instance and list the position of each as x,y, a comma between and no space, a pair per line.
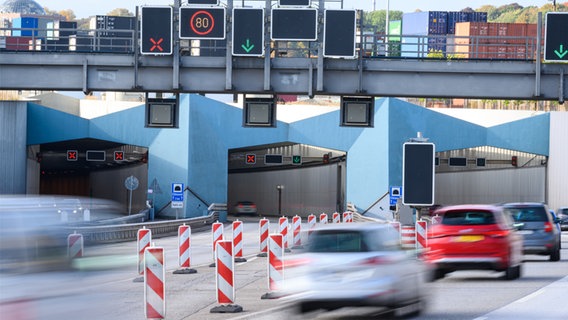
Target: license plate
469,238
525,232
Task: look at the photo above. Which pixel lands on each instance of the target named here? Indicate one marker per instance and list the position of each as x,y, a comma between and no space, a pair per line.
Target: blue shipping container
23,23
416,26
460,16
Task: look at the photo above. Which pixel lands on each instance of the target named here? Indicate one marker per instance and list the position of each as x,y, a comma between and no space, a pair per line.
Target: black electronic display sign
294,24
556,37
212,2
156,30
339,33
295,3
418,174
248,32
202,23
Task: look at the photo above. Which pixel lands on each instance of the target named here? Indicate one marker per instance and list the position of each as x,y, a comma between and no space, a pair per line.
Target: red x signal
251,158
156,44
72,155
118,155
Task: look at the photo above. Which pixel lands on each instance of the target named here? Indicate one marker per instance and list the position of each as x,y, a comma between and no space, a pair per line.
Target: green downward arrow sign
248,46
561,53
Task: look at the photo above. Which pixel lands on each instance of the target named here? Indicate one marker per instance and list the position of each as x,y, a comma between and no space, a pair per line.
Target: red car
474,237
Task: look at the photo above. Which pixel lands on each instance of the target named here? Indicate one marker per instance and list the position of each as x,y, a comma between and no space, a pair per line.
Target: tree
121,12
376,20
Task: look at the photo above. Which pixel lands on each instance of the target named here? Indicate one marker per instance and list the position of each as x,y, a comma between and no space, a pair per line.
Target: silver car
538,228
355,264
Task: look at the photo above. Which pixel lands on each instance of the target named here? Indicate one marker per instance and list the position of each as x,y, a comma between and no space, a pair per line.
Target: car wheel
438,274
513,273
555,255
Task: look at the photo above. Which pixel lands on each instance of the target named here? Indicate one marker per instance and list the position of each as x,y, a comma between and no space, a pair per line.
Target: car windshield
459,218
528,214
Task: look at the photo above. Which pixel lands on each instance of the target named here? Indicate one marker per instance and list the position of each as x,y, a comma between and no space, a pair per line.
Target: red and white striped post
225,277
75,245
297,232
238,241
396,226
323,218
154,283
283,230
311,224
217,234
408,237
421,235
275,265
345,217
263,230
335,217
184,250
144,238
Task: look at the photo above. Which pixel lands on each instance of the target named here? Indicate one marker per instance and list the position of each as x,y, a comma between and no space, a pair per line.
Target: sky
87,8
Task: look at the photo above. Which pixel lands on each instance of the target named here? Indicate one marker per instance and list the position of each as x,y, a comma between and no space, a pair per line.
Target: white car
352,265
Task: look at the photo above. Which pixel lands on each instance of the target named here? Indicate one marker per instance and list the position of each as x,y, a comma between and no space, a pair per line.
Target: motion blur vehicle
538,228
562,214
245,208
355,265
474,237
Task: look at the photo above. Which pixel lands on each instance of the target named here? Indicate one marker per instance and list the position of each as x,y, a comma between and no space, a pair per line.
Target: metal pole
130,201
538,55
387,30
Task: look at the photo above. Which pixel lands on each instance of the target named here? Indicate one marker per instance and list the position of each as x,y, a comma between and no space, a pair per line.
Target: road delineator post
154,283
283,230
263,231
335,217
311,224
225,278
184,250
421,236
275,265
217,234
323,218
144,239
408,237
297,232
75,245
238,241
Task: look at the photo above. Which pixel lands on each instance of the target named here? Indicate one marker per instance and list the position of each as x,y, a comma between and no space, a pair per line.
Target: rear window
528,214
469,217
352,241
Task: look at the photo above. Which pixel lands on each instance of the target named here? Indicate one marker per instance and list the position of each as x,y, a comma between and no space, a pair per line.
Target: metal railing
128,232
375,46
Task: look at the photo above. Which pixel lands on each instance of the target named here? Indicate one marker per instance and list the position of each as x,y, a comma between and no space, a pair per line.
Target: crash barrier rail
128,232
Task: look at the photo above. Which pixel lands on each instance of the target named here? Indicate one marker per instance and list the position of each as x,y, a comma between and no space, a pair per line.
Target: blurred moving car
474,237
245,208
537,226
563,217
353,265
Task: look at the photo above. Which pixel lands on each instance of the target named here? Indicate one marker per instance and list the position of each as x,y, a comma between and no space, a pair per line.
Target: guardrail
128,232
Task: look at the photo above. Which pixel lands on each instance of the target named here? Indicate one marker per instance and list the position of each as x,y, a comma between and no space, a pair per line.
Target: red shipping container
18,43
518,52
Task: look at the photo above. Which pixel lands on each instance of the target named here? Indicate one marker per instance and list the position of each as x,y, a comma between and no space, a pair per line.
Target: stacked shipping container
479,40
417,25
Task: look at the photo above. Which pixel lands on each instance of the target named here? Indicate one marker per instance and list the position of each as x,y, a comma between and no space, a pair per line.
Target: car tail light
375,261
292,263
547,227
498,233
253,205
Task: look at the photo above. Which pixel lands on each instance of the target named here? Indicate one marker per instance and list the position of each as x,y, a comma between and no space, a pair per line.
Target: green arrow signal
562,52
248,47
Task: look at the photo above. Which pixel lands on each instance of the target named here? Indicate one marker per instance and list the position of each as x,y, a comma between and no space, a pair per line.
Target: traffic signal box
202,23
248,32
556,37
156,30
